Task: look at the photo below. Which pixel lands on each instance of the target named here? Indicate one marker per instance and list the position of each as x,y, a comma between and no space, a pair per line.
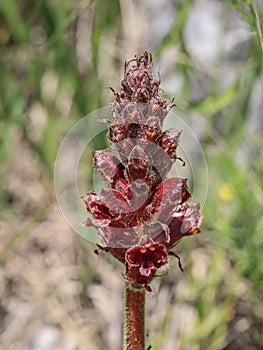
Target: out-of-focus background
57,58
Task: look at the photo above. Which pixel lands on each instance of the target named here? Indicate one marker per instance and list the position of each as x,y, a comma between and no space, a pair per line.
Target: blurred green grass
38,42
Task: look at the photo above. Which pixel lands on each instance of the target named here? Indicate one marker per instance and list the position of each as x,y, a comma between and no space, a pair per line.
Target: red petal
138,165
186,222
170,193
169,141
98,209
117,132
143,261
109,166
147,257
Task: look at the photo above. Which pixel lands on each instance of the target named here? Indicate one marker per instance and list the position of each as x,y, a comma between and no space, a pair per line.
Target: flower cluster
141,215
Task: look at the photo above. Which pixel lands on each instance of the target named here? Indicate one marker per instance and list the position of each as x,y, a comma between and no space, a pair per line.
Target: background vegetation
57,57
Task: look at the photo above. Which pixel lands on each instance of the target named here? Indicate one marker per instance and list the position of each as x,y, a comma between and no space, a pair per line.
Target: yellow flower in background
226,192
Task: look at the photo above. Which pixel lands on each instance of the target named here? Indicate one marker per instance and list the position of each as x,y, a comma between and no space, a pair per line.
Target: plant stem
134,318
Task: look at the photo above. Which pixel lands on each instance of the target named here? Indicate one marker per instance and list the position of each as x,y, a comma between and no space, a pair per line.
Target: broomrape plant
141,215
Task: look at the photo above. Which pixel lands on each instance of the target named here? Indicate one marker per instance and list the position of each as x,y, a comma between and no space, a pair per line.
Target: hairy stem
134,318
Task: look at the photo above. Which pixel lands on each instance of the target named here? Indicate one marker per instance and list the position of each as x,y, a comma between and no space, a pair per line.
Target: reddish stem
134,318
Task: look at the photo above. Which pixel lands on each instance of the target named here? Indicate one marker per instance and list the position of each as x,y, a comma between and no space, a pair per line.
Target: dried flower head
142,215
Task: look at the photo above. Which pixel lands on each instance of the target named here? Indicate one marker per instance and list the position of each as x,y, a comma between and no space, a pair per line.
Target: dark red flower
143,261
142,215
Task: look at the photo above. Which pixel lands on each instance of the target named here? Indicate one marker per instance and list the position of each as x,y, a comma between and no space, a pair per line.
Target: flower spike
142,215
